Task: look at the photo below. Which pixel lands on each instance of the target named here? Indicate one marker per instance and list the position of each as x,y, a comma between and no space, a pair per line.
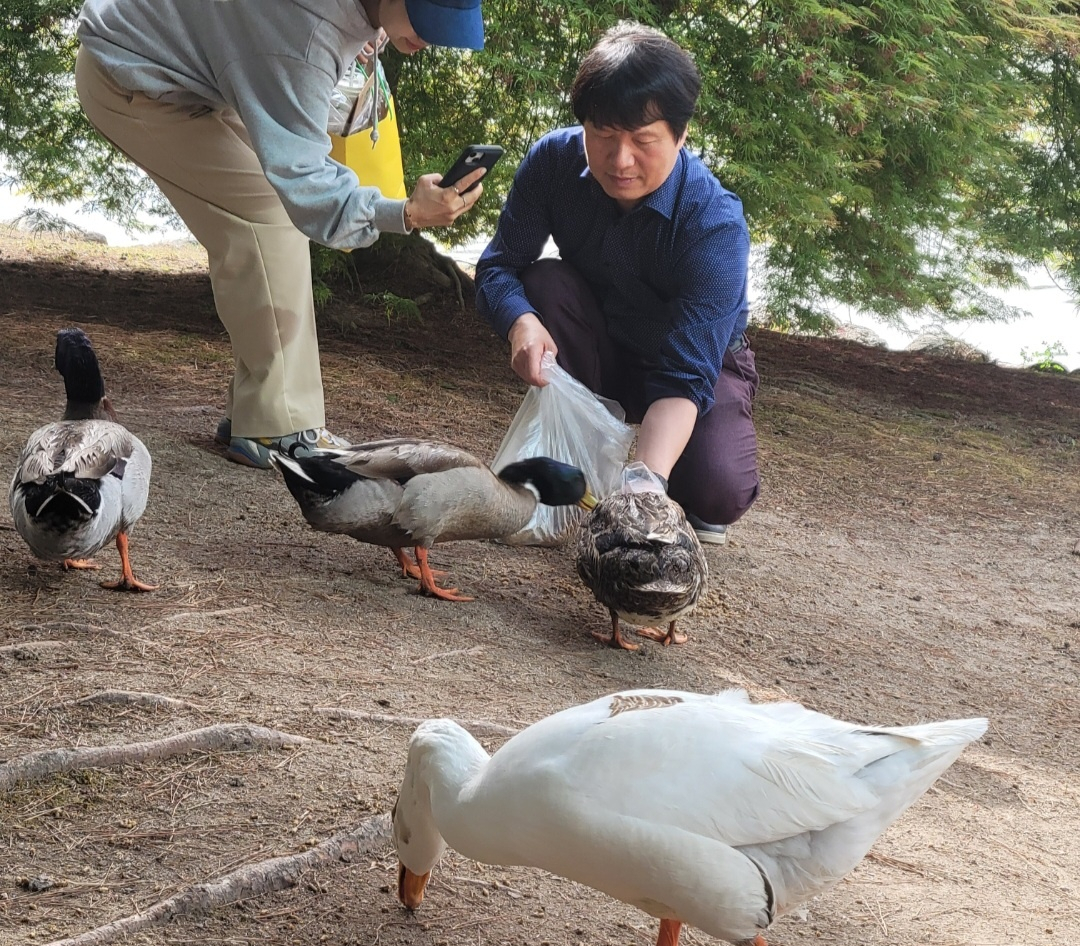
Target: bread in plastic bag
636,477
359,101
564,420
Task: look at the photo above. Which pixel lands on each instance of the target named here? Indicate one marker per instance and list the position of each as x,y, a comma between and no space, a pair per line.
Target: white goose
706,810
83,481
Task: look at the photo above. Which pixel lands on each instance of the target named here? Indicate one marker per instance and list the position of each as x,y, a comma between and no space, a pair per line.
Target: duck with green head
83,481
405,492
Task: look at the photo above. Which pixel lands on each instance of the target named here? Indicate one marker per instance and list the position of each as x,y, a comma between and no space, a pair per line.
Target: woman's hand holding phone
438,200
430,205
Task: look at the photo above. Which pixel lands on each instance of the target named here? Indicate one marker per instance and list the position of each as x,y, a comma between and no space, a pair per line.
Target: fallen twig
447,653
251,880
136,697
71,626
26,650
184,615
478,727
888,861
235,737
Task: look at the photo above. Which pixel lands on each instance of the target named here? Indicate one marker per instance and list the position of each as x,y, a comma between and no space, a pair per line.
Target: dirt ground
914,555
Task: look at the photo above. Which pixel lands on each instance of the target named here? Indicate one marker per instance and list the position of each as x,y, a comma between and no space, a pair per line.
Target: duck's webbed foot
409,569
127,580
87,563
615,638
670,636
428,585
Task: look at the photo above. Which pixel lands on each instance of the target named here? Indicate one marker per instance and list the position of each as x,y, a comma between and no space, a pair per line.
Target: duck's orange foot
615,638
128,583
409,569
428,585
444,594
670,636
127,580
80,563
669,933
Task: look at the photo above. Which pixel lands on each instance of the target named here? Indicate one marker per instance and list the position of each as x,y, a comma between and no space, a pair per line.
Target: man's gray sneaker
255,451
707,532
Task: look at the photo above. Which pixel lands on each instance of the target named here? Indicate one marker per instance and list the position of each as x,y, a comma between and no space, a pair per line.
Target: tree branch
244,883
478,727
234,737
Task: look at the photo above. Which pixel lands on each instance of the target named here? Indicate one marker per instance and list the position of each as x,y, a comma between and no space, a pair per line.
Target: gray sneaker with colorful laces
255,451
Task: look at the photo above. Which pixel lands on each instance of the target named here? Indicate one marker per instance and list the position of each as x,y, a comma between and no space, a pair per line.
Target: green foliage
394,307
1043,359
328,267
49,146
899,156
896,156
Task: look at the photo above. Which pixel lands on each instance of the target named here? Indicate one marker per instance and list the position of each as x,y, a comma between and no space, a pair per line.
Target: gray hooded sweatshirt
275,62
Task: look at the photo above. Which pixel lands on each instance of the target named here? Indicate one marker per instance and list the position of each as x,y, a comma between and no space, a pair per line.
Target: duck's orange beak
410,887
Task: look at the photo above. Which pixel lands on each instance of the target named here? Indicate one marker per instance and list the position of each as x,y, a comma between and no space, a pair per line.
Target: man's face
394,19
630,164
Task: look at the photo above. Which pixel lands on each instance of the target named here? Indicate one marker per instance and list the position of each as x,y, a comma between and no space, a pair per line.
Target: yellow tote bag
365,135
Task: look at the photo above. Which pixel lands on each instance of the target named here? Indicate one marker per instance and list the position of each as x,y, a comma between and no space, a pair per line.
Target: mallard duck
706,810
641,559
82,481
403,492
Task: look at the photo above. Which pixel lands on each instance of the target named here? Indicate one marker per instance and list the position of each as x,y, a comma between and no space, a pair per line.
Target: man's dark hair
633,77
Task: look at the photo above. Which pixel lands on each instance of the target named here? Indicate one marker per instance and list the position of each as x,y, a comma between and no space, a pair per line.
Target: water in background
1054,319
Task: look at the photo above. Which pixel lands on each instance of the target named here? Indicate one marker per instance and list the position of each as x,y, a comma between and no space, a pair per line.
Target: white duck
83,481
705,810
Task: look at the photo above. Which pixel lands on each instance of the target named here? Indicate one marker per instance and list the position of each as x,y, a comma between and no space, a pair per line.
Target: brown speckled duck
641,559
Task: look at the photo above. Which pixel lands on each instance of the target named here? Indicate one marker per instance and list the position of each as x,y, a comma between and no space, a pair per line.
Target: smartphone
471,158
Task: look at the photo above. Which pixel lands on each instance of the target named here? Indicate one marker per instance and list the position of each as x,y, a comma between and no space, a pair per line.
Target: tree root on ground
478,727
251,880
134,698
235,737
29,650
420,262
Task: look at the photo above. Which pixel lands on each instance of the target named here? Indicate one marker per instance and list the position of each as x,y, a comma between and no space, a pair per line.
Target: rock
859,334
943,345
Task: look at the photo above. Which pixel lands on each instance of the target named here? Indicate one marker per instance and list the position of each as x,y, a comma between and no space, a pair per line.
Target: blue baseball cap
457,23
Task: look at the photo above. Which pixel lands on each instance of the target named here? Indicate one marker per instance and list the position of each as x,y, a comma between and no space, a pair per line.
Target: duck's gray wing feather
401,458
89,449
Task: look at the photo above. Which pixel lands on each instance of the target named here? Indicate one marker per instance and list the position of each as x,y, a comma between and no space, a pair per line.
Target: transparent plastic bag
359,101
564,420
362,102
636,477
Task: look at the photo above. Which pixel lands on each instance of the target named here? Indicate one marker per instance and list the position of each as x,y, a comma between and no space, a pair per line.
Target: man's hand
665,430
529,340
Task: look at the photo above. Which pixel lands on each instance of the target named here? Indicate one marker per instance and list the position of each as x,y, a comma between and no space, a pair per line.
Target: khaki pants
260,267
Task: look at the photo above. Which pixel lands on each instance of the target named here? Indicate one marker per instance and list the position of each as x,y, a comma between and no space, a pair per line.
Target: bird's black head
76,361
558,484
